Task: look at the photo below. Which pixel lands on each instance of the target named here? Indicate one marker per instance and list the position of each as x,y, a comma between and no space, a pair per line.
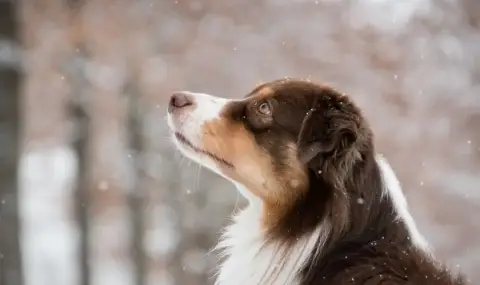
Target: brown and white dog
324,208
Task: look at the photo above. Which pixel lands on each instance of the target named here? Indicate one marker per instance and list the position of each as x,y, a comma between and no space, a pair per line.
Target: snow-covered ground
50,237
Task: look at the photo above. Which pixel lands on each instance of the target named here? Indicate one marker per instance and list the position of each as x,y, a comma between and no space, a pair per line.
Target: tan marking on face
254,167
262,91
235,144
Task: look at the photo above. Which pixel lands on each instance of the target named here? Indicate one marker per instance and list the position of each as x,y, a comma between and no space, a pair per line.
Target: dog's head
272,141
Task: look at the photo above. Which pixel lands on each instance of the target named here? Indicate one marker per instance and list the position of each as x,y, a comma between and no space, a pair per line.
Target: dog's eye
265,109
259,115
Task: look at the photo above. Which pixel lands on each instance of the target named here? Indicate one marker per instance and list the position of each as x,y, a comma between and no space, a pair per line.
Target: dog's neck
251,259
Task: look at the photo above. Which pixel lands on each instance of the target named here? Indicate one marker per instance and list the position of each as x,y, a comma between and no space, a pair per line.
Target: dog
324,207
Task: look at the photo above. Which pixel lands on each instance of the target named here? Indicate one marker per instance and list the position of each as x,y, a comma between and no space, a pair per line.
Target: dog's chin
188,149
199,151
197,154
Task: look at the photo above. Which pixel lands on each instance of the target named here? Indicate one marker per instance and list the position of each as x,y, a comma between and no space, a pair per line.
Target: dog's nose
180,100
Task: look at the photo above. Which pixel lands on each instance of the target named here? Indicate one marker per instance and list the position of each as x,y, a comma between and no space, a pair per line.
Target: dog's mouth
183,140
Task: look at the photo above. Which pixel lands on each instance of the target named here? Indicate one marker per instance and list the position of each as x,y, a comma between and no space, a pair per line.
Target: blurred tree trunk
137,194
10,257
110,237
81,121
48,162
81,141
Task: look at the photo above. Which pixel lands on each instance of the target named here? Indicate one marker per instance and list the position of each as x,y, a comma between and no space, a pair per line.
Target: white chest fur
250,260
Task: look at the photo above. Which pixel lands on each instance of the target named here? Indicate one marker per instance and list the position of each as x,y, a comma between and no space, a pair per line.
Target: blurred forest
102,196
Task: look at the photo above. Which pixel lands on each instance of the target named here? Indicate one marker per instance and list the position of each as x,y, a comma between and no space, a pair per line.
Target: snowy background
132,211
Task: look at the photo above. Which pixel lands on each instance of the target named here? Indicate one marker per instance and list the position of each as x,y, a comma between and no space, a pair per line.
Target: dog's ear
325,131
